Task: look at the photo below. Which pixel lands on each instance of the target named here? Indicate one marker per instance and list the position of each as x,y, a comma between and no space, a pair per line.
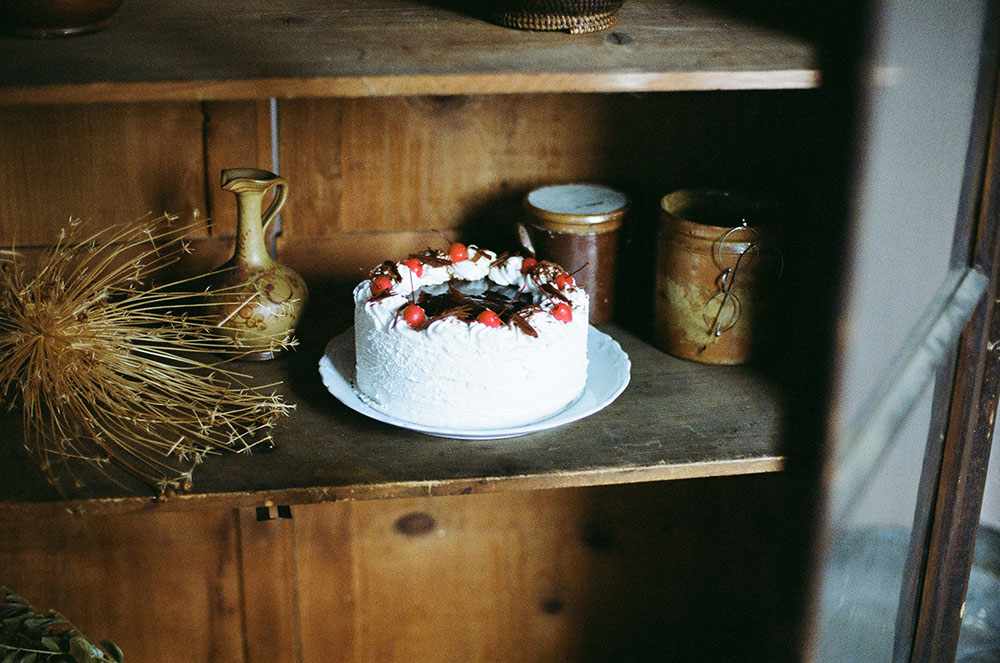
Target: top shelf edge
408,85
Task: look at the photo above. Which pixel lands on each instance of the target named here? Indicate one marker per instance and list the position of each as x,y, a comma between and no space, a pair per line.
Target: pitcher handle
280,187
259,181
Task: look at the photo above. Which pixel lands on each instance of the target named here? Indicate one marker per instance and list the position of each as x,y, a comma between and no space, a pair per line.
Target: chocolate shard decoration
500,259
553,291
463,313
523,325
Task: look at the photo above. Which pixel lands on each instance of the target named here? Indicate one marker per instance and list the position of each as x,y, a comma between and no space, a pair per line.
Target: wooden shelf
676,420
193,50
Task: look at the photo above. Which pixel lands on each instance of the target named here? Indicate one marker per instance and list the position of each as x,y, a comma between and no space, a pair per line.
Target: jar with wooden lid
716,268
577,226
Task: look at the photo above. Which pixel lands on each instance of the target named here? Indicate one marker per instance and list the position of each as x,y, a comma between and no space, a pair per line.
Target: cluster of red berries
415,316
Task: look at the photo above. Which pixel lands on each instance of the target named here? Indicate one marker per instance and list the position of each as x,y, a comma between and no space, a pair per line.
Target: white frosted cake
466,339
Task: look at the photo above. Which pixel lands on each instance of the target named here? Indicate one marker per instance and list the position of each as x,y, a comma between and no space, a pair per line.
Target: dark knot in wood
415,524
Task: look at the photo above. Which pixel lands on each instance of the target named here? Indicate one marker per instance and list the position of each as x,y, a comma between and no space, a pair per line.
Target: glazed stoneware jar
256,300
715,271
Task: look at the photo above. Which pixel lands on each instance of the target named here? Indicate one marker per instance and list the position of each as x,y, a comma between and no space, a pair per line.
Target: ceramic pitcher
256,300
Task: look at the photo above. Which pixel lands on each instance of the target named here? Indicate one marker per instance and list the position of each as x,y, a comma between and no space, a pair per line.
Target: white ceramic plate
608,373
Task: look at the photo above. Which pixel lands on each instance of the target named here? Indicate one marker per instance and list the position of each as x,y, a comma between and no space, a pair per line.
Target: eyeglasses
724,309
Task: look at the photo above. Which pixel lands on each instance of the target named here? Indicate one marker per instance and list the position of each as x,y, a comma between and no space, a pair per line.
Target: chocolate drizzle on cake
482,301
511,304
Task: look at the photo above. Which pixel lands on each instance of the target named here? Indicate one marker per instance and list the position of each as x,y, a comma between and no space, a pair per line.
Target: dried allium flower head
118,373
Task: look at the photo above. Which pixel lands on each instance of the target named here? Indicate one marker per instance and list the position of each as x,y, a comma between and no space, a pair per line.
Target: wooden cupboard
682,523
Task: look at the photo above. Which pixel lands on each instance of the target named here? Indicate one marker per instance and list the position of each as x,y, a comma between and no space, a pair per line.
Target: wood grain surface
268,581
103,162
682,570
162,586
237,134
676,419
188,50
113,163
373,178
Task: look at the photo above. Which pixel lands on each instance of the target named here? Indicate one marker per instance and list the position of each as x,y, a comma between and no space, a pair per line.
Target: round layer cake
467,339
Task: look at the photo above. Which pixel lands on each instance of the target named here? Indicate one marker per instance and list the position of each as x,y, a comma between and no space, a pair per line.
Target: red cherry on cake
415,266
489,318
381,284
527,264
458,252
563,280
562,312
414,315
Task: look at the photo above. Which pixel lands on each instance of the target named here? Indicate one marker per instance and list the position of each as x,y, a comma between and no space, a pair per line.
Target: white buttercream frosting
466,375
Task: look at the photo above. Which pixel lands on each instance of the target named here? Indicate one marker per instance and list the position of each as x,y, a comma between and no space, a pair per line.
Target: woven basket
573,16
